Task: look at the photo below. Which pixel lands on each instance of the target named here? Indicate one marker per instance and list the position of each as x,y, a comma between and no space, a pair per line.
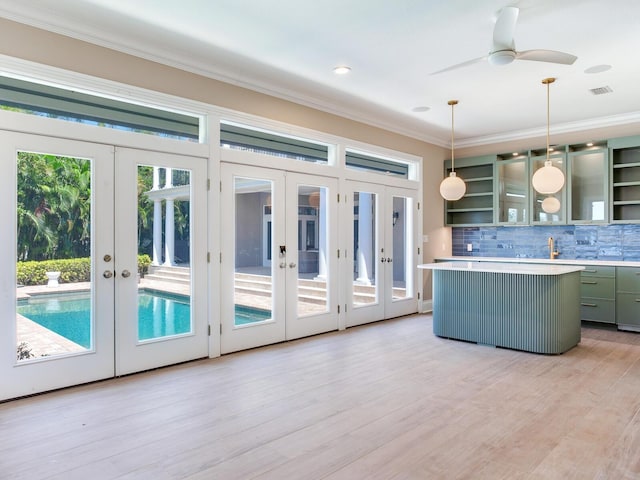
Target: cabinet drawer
598,310
628,309
598,287
628,279
598,271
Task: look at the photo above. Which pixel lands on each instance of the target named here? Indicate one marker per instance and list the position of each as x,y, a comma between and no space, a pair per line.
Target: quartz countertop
502,267
558,261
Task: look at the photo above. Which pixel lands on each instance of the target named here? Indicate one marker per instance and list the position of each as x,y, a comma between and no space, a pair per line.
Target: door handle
389,260
283,265
107,274
383,260
126,274
292,265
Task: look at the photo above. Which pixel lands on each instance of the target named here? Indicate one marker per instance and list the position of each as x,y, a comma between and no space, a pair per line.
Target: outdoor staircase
309,291
175,275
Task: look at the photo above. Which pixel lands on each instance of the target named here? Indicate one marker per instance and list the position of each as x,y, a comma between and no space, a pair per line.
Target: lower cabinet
628,298
598,294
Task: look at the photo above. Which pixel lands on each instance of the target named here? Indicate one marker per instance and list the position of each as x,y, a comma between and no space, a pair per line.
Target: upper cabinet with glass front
625,179
588,183
549,213
512,182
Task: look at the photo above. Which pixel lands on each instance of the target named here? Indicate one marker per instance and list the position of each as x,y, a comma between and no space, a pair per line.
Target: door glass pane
588,188
54,308
164,287
312,250
365,291
253,244
539,214
401,238
513,185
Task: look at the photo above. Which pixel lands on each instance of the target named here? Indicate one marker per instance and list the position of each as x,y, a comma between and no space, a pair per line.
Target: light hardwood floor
382,401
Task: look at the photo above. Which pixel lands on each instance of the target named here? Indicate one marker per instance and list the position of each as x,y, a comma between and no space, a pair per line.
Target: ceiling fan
503,50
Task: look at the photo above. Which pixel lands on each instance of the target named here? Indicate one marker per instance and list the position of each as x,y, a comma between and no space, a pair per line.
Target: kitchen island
534,308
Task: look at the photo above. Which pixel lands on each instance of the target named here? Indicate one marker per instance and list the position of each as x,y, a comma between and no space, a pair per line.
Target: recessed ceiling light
341,70
598,69
590,144
421,109
515,154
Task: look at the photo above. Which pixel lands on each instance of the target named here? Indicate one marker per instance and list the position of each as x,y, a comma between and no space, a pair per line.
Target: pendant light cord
547,82
452,103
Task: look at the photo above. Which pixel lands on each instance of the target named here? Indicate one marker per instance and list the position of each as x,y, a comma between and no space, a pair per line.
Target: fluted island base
534,312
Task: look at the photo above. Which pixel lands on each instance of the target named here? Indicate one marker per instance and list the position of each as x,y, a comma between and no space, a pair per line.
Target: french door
77,220
279,275
383,253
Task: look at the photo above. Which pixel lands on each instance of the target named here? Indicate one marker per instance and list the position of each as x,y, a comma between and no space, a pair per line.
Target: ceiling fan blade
460,65
550,56
505,28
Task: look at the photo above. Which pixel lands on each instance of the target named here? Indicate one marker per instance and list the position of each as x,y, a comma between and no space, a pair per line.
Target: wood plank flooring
383,401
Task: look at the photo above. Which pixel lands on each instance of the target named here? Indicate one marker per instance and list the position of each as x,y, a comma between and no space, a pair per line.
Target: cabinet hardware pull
588,304
589,283
638,300
637,273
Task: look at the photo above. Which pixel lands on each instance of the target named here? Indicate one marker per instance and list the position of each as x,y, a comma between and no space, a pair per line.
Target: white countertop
546,261
502,267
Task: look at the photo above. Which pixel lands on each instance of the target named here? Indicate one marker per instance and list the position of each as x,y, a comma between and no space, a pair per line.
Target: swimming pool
159,315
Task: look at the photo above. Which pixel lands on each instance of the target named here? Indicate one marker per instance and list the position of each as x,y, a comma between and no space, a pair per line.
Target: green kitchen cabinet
476,206
558,159
628,298
512,189
598,294
588,184
625,179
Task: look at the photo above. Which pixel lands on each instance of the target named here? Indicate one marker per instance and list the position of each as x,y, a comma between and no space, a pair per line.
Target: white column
322,235
169,233
169,222
365,244
157,233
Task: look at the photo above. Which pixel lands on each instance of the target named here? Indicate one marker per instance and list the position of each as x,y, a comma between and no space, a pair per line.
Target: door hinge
338,196
418,205
208,184
418,295
220,257
208,257
209,330
338,309
338,253
220,185
220,329
418,250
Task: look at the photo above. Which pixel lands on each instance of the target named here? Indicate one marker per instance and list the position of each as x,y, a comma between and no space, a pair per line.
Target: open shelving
476,206
625,186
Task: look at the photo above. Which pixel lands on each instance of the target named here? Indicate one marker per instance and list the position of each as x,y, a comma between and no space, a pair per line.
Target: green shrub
144,261
71,270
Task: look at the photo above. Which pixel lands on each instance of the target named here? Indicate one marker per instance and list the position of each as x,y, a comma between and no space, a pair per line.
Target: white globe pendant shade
452,188
548,179
551,205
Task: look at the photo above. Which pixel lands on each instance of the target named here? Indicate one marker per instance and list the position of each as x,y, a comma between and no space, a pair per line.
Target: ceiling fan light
502,57
548,179
452,188
551,205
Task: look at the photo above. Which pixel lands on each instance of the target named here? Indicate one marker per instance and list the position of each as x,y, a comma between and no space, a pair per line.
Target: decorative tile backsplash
592,242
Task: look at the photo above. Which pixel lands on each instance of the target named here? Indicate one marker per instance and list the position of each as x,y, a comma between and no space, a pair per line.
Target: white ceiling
288,48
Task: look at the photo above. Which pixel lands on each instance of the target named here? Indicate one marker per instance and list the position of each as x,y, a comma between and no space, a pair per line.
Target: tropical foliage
54,208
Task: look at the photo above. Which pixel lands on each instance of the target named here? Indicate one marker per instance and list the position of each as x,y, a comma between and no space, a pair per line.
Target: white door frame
133,355
47,373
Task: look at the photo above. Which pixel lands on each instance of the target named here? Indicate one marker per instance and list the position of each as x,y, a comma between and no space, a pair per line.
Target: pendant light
548,179
551,204
452,188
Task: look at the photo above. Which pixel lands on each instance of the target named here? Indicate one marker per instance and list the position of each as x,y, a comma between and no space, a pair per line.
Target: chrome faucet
553,253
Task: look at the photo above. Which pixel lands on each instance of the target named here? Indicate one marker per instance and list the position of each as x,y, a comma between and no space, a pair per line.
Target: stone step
166,279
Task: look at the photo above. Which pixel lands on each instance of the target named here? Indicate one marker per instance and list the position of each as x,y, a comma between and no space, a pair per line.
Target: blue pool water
69,315
159,315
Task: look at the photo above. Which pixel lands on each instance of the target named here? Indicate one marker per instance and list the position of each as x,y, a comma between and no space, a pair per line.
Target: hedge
71,270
